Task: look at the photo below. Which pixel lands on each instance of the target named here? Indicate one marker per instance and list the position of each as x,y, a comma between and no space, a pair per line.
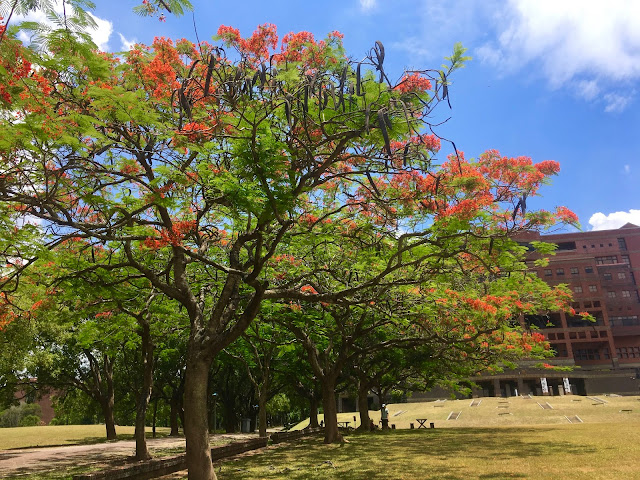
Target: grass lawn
578,451
501,412
22,437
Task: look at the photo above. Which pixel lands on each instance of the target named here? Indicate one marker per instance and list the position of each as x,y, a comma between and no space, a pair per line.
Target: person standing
384,416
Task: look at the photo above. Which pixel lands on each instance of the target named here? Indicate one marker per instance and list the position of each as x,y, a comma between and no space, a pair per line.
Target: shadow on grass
401,454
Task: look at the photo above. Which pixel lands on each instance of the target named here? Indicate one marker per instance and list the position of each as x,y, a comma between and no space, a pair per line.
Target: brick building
601,269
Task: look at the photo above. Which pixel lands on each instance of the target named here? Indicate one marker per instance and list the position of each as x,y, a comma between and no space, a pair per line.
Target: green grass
580,451
499,412
24,437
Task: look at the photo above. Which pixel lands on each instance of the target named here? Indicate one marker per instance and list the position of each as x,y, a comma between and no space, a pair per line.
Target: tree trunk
363,406
109,422
262,412
173,416
196,427
109,400
313,412
331,433
142,452
155,416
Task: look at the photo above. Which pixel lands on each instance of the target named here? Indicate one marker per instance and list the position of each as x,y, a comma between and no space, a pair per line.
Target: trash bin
245,425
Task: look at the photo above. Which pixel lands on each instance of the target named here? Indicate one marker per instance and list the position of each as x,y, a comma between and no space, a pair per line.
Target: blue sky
555,80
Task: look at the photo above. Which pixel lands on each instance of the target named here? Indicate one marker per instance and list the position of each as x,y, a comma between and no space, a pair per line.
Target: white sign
567,385
543,383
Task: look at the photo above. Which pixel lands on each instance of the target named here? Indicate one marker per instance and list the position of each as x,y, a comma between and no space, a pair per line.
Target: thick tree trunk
363,406
109,400
142,452
196,427
313,412
109,422
331,433
262,412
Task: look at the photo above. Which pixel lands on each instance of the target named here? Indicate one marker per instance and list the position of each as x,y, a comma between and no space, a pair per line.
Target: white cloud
616,102
126,43
100,35
415,46
367,5
600,221
588,89
580,43
627,169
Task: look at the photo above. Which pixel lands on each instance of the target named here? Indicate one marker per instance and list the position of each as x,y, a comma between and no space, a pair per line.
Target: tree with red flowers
216,175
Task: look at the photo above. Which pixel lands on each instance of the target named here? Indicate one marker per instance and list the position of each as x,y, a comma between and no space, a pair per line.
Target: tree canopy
224,175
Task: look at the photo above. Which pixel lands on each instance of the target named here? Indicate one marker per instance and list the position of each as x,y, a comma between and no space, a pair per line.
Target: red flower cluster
413,83
173,237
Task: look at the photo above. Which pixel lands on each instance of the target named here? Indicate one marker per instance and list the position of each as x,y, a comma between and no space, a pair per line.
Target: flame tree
203,166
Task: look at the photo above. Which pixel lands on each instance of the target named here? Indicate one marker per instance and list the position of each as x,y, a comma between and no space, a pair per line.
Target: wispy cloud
600,221
616,102
574,43
367,5
126,43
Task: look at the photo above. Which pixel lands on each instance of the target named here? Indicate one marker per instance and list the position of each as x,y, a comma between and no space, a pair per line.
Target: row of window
624,321
591,354
622,244
608,260
628,352
620,275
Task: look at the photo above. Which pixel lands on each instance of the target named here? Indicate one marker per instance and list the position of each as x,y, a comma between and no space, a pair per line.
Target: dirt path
29,461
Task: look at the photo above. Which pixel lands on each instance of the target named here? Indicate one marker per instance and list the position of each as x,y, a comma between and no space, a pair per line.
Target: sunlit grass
496,412
22,437
581,451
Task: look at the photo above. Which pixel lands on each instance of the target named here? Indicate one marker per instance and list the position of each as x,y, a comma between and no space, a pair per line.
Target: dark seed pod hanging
383,129
207,81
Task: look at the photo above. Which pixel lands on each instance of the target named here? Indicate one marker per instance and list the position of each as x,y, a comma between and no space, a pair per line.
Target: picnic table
421,422
343,424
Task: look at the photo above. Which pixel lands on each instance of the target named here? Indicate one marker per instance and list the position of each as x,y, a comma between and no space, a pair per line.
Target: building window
574,270
586,354
577,289
606,276
625,259
559,271
606,260
628,321
588,269
611,294
593,288
622,275
622,244
547,272
626,294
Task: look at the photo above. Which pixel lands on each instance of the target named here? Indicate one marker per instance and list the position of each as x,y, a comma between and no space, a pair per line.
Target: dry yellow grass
596,451
496,412
22,437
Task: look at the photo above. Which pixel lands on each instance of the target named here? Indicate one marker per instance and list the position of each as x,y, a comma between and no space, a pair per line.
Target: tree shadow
398,454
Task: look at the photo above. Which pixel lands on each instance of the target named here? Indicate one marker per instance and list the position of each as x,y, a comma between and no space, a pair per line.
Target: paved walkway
25,462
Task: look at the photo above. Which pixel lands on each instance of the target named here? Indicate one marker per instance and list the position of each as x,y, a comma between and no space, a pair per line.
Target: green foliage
23,415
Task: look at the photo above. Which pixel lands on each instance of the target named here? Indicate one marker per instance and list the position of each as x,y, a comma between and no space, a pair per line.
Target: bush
16,416
30,421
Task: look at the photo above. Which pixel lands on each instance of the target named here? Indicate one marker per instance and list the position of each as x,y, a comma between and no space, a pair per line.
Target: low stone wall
235,448
153,468
286,436
163,466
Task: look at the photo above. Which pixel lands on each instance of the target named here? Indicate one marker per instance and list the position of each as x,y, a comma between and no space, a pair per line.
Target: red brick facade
602,269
